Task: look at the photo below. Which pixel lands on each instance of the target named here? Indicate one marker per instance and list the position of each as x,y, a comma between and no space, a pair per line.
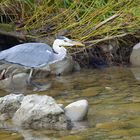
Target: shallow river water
114,106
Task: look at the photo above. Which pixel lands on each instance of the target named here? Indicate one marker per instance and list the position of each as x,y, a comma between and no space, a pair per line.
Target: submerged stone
16,83
113,125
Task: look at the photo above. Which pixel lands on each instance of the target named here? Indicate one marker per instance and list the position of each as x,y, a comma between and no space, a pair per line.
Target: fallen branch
12,34
93,42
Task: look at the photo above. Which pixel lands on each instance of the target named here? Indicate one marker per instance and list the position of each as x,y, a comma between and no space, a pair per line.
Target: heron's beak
77,43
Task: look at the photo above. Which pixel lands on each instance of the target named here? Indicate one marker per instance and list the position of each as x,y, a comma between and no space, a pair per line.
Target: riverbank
110,52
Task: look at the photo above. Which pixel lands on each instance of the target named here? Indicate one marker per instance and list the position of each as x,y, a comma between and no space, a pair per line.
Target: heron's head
64,41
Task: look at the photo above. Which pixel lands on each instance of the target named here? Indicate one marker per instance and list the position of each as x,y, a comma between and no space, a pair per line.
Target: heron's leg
12,82
30,76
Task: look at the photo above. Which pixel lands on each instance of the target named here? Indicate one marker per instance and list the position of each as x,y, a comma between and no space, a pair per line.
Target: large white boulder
77,111
10,103
135,55
40,112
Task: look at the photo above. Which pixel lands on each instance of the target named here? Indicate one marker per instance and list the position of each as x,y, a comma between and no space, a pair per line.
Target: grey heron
35,55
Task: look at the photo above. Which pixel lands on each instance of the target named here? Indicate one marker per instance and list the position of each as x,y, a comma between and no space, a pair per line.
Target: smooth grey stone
77,111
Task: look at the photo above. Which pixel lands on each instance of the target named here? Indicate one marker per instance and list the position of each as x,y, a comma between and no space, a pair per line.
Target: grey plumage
28,54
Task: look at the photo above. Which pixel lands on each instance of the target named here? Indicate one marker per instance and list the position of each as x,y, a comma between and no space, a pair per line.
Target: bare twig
105,21
106,38
102,23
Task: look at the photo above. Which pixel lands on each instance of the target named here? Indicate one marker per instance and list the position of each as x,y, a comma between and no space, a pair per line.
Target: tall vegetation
90,21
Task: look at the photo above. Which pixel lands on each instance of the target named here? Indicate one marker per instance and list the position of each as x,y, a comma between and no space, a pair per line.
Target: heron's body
29,54
34,55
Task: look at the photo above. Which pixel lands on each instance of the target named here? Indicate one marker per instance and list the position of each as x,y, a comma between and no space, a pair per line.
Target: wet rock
15,68
76,66
77,111
42,72
4,117
10,103
61,106
15,78
136,72
40,112
17,83
12,68
63,67
135,55
41,86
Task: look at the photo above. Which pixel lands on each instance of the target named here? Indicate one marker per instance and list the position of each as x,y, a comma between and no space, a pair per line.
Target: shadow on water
114,106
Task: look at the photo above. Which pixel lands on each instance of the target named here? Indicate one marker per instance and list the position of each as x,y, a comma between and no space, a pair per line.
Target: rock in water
77,111
17,83
10,103
135,55
66,66
40,112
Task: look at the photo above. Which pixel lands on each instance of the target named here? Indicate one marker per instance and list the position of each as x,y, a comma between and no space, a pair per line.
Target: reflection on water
114,101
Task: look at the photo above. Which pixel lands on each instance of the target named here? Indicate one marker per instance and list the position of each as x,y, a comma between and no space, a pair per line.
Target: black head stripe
61,37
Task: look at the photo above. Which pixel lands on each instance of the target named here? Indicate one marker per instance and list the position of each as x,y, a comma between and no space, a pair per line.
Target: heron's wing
28,54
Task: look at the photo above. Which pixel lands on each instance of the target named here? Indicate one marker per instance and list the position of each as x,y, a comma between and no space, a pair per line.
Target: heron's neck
60,52
56,47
